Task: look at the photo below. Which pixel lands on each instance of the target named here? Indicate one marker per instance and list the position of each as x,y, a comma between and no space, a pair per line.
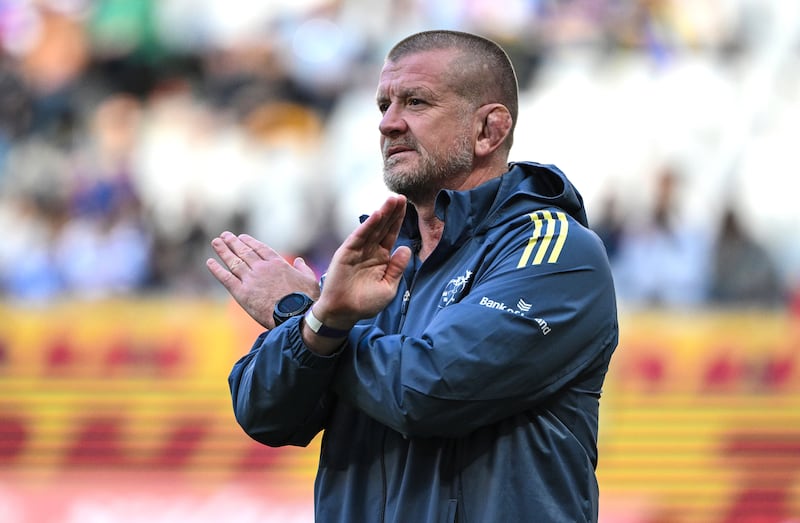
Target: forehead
427,70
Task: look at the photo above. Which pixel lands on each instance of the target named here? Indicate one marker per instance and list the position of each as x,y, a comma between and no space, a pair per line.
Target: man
455,355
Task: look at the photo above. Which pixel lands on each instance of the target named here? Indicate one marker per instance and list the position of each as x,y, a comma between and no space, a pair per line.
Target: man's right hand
364,274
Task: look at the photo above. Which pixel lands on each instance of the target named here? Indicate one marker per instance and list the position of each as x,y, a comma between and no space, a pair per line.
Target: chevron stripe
546,227
562,237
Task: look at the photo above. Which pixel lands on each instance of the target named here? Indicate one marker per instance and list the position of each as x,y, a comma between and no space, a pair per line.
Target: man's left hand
257,276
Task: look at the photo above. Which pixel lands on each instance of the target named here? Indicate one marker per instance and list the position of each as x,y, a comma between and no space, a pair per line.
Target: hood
542,183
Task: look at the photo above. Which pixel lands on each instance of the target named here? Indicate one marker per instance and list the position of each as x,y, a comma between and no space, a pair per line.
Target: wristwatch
291,305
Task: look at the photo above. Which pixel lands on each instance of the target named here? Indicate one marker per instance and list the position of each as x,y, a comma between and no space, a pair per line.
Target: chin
395,176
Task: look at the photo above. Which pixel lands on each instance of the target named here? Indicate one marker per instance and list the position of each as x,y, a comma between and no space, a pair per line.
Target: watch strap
321,329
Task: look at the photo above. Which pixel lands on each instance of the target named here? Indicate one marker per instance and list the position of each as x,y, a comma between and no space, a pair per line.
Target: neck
431,227
430,230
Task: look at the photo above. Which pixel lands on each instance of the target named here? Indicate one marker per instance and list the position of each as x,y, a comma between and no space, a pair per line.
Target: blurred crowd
134,131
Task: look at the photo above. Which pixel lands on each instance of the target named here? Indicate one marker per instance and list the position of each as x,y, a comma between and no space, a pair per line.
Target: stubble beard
423,181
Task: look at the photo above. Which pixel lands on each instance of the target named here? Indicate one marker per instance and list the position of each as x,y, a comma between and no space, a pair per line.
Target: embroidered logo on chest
454,289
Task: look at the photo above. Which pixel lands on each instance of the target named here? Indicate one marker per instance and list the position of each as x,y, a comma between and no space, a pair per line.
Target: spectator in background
609,225
15,108
61,59
73,215
34,189
663,261
743,272
28,270
104,247
289,181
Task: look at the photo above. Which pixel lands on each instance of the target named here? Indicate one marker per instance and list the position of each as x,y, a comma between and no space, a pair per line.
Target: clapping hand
365,272
257,276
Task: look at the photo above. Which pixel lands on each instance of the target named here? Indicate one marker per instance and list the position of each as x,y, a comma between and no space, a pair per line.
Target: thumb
301,265
397,264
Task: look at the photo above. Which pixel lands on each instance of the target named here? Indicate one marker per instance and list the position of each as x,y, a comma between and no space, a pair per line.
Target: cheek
432,141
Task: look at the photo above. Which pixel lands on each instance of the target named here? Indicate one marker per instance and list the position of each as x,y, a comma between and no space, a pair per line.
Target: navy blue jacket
473,397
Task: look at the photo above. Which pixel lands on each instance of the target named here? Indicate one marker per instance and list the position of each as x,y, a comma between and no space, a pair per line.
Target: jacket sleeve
521,334
280,389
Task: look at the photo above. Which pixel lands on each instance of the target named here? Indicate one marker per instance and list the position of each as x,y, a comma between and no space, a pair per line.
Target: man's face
426,131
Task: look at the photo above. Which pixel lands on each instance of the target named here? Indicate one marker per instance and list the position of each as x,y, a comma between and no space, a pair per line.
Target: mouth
396,149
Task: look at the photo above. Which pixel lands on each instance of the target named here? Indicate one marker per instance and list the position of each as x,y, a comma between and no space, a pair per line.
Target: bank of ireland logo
454,289
521,309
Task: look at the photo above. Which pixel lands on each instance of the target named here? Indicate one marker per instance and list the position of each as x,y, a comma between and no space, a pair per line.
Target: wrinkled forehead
430,70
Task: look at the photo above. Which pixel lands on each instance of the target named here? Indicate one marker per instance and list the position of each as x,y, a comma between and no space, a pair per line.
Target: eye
415,101
383,107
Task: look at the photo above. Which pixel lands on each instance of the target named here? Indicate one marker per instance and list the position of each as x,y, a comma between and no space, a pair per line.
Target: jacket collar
471,213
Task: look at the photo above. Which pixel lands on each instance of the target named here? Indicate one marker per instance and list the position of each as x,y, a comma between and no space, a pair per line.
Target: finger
225,247
259,249
388,225
223,250
240,249
379,223
395,222
225,277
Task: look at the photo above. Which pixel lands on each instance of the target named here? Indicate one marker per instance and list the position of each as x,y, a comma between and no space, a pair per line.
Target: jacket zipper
407,296
403,311
404,306
383,477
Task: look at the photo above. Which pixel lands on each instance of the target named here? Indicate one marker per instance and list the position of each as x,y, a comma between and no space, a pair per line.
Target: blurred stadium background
133,131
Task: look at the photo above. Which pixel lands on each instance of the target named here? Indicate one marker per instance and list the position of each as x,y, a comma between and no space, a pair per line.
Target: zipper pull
406,299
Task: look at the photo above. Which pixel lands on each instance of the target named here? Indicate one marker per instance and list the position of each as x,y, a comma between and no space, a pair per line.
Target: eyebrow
409,92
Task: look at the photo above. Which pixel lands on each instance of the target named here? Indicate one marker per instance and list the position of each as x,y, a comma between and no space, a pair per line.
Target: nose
392,122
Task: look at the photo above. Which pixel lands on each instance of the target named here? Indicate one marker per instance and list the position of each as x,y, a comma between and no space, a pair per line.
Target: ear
494,125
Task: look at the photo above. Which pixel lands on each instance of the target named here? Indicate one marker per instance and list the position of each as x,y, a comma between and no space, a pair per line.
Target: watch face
293,304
